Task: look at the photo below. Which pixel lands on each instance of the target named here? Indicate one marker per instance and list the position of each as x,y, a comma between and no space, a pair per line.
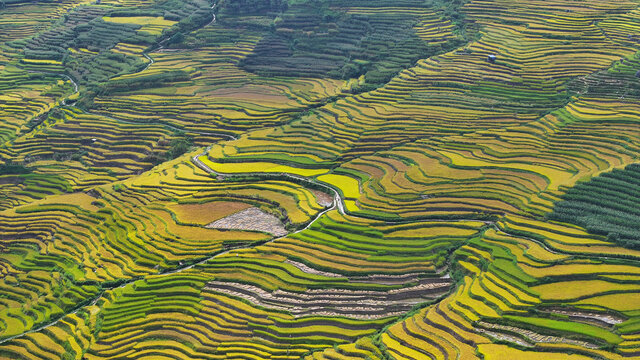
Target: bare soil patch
251,219
323,198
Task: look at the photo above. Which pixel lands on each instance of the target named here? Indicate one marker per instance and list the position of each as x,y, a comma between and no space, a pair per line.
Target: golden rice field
152,25
232,180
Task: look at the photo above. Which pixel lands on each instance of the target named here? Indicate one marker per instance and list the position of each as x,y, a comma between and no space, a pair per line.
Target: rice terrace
320,179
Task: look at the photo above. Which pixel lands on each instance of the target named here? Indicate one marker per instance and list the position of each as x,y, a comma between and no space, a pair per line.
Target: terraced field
328,179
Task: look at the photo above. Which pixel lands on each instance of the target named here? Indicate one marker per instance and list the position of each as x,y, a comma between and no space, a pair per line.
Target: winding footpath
169,272
73,82
338,204
149,63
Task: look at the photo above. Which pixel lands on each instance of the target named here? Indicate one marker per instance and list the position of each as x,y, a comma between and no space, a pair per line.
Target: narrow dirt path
170,272
338,203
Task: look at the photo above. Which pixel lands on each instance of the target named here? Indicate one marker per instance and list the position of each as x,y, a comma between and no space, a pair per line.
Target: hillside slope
273,179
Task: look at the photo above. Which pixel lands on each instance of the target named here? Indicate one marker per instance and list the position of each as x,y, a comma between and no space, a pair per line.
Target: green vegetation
608,205
177,147
319,179
13,169
317,39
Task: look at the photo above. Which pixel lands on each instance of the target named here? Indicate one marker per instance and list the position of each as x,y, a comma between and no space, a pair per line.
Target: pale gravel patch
605,318
309,270
534,337
323,198
251,219
356,304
